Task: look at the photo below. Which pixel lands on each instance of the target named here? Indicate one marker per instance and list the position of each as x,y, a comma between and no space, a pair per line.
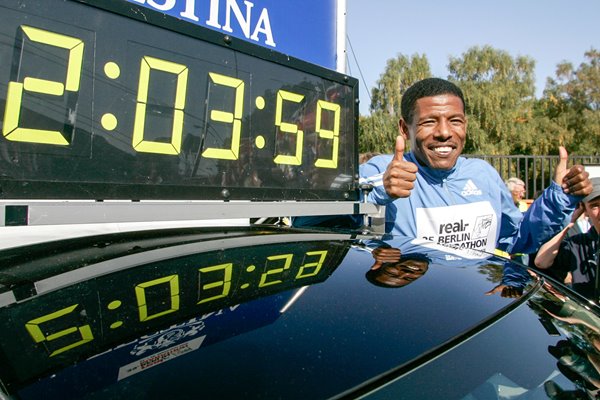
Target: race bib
465,230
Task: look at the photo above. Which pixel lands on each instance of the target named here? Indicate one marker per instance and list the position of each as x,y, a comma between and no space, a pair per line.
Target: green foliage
400,73
499,92
572,101
377,133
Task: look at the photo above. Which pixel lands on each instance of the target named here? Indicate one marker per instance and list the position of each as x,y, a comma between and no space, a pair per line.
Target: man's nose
444,130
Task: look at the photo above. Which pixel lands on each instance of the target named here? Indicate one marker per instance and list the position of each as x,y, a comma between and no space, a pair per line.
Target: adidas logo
470,189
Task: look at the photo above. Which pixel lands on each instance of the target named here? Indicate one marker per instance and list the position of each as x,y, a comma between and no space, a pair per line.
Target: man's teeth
443,150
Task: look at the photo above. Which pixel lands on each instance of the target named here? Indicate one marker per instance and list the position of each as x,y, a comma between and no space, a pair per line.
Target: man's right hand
400,175
385,255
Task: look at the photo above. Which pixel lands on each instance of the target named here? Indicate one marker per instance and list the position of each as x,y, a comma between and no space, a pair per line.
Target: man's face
592,209
402,273
438,130
518,192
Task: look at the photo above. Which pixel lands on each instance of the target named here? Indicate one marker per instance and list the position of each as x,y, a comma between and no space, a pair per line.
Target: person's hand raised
385,255
400,175
577,213
574,180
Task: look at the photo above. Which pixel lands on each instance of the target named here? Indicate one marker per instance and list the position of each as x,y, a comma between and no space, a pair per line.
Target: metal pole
597,277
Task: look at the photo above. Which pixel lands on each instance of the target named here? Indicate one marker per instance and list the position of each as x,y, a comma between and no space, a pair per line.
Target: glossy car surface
275,312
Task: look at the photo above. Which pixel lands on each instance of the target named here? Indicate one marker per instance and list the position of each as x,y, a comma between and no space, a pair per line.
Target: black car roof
245,312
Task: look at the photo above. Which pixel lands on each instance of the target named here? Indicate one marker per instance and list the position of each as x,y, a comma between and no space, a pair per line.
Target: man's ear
403,129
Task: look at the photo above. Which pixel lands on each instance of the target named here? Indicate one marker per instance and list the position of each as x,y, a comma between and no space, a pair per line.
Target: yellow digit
286,265
140,294
327,133
33,327
234,118
287,127
225,283
316,265
14,96
148,146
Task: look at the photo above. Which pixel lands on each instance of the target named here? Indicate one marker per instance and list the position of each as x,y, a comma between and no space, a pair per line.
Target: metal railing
536,171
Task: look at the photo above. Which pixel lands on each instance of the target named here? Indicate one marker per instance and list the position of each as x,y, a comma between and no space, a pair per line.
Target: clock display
148,292
111,101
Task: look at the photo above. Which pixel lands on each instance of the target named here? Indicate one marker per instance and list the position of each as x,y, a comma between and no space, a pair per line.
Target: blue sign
304,29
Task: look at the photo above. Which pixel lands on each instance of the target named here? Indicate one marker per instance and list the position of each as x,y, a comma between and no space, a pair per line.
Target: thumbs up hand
574,180
400,175
385,255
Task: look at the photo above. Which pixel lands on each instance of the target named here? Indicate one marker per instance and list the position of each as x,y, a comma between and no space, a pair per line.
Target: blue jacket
467,207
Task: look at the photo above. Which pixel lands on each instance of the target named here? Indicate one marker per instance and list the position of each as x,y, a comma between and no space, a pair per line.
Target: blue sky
549,31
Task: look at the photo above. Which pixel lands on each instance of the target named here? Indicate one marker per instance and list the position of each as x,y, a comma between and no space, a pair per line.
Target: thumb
377,265
561,167
578,212
399,149
494,290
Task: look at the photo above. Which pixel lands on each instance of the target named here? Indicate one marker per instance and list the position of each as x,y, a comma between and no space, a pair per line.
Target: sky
548,31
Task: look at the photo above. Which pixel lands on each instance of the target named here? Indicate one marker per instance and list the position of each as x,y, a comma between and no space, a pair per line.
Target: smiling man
441,199
406,270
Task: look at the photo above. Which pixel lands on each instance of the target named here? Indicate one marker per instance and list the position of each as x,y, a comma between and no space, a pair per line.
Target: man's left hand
574,180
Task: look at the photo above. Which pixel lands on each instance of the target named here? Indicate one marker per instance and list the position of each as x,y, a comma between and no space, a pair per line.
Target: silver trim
41,212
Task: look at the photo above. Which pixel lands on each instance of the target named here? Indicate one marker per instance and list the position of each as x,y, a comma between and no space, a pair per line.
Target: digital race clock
107,100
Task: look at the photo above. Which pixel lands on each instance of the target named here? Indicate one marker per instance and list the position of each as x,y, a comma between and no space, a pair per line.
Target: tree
572,101
499,93
378,131
399,74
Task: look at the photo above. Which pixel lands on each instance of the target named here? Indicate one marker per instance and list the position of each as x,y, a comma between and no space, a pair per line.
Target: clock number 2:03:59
74,48
276,265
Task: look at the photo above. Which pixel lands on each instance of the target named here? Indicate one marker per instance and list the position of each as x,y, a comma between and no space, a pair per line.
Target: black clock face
92,307
96,103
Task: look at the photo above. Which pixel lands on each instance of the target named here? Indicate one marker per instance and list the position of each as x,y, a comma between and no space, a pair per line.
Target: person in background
577,254
517,188
442,199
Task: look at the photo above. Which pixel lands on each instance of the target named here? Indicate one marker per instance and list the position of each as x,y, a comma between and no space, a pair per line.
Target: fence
536,171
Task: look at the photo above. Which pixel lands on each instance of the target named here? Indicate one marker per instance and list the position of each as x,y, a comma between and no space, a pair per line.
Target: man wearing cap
577,254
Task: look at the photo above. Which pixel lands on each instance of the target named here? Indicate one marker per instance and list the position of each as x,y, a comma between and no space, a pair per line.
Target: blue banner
305,29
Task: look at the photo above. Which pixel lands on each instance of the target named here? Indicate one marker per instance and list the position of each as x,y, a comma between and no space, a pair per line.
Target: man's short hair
427,87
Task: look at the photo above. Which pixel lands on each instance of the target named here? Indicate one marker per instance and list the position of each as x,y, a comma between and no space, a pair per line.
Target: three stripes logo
470,189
